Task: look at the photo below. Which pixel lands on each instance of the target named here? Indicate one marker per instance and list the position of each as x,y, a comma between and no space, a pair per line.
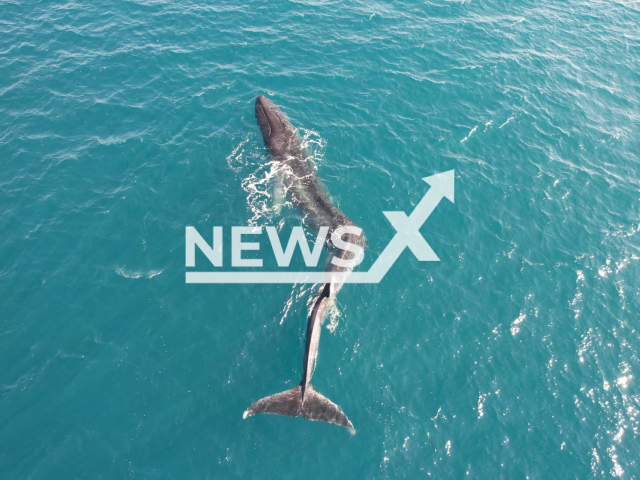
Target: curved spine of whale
306,192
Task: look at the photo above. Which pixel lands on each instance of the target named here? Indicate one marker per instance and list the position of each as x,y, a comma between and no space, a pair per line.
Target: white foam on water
470,133
137,275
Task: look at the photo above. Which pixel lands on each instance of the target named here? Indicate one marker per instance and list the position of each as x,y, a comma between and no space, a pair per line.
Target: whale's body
311,198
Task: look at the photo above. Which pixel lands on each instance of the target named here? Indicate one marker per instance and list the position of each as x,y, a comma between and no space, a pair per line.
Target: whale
306,192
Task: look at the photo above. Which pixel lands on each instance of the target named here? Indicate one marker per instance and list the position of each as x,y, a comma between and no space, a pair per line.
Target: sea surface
516,356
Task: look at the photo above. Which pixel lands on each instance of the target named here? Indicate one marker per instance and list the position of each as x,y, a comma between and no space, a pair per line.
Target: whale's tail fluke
292,403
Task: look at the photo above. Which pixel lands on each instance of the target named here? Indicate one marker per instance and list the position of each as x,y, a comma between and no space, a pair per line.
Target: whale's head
277,131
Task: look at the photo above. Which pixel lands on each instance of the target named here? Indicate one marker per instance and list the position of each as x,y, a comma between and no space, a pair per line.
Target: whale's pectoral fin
315,407
278,192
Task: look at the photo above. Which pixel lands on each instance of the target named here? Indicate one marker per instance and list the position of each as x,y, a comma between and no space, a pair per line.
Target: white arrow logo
407,235
408,228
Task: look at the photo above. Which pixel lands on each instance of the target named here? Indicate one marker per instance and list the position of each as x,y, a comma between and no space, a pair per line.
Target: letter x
408,235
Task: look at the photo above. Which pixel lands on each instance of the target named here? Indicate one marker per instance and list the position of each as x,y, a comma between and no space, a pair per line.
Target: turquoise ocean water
516,356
